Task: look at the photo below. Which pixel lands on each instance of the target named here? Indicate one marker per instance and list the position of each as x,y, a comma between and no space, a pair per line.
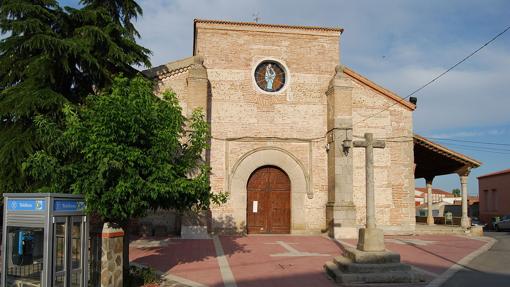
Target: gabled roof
348,71
495,173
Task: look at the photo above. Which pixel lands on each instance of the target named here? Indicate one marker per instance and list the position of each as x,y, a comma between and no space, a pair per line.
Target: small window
270,76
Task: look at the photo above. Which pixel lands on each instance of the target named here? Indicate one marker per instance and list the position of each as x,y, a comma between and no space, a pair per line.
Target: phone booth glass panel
24,255
45,240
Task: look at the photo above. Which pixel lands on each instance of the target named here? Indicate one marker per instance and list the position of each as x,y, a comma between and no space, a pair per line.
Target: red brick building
494,194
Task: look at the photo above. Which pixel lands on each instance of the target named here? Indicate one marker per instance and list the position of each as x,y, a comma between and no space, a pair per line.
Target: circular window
270,76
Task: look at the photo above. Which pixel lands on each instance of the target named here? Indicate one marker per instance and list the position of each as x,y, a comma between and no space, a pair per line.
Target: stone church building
283,113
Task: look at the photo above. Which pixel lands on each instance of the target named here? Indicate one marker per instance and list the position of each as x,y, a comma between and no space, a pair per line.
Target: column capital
429,179
464,171
463,179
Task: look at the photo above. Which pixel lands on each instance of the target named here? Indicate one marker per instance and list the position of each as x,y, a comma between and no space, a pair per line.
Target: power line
484,150
406,138
440,75
466,141
480,147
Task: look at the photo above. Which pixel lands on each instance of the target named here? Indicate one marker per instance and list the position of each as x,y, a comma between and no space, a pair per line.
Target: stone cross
370,238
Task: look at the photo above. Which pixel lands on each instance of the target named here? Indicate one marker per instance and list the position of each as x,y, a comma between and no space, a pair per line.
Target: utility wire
484,150
440,75
480,147
466,141
477,144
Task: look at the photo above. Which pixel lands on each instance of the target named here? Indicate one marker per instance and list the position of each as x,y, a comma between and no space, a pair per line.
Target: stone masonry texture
244,119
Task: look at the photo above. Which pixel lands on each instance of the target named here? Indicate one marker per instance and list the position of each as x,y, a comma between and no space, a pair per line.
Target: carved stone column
370,238
465,221
340,210
430,216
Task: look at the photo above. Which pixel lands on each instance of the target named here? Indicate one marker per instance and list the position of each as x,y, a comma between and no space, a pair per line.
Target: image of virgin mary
269,77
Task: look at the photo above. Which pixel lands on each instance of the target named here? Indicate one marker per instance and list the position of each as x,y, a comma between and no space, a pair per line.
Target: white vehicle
503,223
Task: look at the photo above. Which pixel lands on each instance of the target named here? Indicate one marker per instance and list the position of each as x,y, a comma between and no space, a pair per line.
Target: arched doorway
268,201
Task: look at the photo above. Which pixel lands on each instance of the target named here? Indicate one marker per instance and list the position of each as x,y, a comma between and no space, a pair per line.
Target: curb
441,279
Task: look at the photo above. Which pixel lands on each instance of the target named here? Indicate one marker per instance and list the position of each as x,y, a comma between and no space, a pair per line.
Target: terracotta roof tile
434,191
222,22
348,71
495,173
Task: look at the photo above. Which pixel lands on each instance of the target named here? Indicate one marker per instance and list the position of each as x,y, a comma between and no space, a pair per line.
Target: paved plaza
291,260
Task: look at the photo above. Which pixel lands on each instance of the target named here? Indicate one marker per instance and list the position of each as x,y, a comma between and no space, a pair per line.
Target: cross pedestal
370,262
371,239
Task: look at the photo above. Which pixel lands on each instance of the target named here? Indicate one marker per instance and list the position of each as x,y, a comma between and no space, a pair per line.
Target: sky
398,44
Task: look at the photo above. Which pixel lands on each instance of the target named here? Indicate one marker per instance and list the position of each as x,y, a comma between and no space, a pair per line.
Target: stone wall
292,121
111,256
394,174
244,119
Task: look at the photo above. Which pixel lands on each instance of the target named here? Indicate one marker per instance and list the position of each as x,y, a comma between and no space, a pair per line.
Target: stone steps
440,232
370,267
339,276
358,256
348,266
421,229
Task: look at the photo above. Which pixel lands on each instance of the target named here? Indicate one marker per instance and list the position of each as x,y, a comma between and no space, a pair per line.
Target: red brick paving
436,257
255,267
251,263
191,259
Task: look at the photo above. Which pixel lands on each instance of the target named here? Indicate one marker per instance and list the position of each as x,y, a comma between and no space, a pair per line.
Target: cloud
400,45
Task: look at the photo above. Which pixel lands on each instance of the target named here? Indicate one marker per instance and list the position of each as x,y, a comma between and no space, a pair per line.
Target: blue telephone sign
26,204
68,205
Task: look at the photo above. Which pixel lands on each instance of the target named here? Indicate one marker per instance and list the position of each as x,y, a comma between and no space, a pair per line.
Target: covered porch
431,160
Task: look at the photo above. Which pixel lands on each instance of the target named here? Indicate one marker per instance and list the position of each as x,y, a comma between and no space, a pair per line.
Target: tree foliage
456,192
122,12
51,57
127,151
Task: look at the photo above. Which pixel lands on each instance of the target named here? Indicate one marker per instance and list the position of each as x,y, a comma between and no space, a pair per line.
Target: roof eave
454,155
238,23
348,71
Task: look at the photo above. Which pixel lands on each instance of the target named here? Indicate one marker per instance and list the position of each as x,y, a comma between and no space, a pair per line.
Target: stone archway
282,159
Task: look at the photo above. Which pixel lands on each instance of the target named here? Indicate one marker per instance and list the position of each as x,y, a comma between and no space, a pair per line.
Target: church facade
283,113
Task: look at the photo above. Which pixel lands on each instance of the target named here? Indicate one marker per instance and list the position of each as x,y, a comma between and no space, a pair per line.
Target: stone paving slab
288,260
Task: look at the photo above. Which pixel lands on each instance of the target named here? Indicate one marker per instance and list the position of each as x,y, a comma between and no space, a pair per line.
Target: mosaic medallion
270,76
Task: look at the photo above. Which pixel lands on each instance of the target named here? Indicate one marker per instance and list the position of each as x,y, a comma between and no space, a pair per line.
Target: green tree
456,192
53,56
127,151
122,11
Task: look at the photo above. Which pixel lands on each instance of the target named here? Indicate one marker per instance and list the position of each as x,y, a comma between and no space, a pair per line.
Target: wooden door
268,201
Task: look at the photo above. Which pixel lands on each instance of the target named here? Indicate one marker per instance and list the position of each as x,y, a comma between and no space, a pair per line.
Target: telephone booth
44,240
